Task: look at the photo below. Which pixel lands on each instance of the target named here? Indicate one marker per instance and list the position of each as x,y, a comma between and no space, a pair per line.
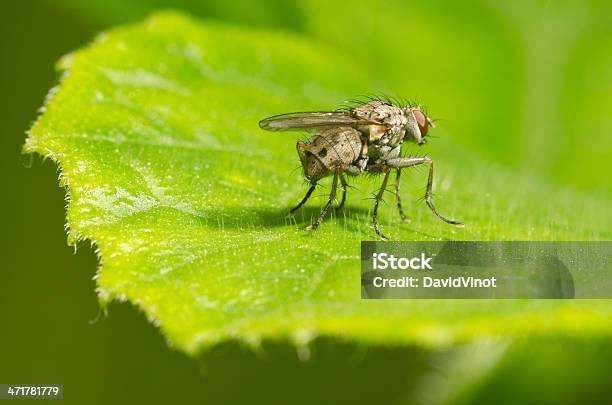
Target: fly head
418,125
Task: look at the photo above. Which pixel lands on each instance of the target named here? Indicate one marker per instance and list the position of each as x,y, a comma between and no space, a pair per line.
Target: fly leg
398,199
399,163
306,197
379,197
351,170
344,187
332,197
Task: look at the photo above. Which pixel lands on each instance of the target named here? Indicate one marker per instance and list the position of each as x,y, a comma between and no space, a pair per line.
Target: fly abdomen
336,146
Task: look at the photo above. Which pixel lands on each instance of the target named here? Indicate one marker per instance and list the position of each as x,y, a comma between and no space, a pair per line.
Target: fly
364,139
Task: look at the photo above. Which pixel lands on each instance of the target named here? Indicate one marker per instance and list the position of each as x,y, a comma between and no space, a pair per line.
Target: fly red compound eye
422,121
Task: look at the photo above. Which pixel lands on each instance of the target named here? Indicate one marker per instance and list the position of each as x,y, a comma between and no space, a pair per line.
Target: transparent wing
312,120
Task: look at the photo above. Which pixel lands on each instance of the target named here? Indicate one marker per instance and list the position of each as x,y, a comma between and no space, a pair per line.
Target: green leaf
155,129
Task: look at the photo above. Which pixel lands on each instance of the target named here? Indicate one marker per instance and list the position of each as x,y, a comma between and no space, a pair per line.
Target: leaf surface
155,129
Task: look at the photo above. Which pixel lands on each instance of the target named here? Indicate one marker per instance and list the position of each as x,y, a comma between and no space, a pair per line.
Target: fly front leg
379,197
407,162
332,197
398,199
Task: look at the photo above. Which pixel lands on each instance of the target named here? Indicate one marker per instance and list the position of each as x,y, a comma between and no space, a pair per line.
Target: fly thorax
393,137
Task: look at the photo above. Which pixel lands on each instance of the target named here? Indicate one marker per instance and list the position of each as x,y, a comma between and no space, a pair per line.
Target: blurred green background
525,84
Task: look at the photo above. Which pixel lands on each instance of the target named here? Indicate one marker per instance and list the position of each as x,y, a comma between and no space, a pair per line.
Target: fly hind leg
351,170
400,163
306,197
344,187
332,197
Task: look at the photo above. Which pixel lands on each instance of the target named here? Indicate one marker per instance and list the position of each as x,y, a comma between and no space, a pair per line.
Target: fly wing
300,121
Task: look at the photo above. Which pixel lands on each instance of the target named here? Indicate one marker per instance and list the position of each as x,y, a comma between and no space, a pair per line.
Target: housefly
363,139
